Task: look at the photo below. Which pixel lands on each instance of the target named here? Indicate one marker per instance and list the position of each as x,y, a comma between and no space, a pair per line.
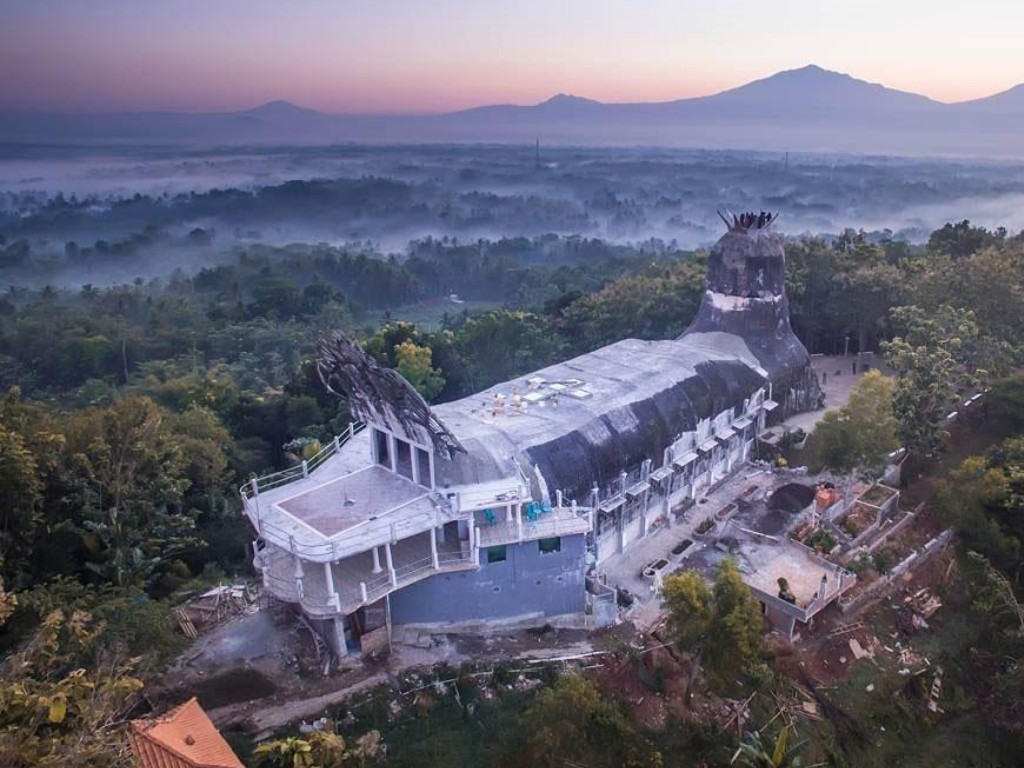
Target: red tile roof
182,738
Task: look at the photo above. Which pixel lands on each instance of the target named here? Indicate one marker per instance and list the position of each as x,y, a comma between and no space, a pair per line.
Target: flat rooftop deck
769,562
344,502
309,516
763,563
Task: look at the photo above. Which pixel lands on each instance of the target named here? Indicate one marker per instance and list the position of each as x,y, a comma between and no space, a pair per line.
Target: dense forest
131,411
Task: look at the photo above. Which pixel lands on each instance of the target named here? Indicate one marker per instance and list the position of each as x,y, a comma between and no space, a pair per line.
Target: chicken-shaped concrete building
495,508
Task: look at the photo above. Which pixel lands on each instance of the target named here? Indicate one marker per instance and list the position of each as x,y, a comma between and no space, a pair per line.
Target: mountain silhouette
805,109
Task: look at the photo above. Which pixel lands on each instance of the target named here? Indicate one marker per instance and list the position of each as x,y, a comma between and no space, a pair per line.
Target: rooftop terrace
344,502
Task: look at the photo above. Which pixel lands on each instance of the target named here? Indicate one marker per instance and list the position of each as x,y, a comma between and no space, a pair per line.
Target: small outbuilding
184,737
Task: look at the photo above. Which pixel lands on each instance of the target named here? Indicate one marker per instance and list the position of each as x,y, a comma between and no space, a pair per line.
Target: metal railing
258,485
405,572
359,537
281,587
377,587
324,605
451,559
558,521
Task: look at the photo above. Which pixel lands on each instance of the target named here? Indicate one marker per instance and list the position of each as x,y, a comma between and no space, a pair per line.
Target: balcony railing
258,485
559,521
354,585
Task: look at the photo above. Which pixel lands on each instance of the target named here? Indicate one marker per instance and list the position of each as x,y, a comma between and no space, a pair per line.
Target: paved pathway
624,570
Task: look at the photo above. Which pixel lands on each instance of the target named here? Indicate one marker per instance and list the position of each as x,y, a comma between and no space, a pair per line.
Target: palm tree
754,752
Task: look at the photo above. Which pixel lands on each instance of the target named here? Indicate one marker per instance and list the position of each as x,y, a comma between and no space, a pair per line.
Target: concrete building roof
585,419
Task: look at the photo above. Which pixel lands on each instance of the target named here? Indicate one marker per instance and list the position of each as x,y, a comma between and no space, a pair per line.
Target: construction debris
923,603
842,629
205,611
859,652
936,691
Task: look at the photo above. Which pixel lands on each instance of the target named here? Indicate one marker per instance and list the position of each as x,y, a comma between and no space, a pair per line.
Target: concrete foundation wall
333,633
527,581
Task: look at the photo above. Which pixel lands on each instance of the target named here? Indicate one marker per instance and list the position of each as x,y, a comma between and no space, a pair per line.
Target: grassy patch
438,730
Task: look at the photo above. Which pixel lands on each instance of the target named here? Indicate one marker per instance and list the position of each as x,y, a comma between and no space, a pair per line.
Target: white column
414,454
391,564
433,548
362,592
430,454
519,521
393,452
298,575
376,560
558,499
509,515
331,592
256,507
340,649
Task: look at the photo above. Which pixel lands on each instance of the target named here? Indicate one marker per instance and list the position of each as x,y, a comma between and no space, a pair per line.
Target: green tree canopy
572,723
935,360
413,362
722,626
859,437
54,713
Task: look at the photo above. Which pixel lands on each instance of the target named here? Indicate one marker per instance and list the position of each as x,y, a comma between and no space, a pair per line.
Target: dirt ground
260,670
882,628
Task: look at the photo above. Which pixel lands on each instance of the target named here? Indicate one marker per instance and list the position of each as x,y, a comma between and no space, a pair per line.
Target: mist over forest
159,317
161,209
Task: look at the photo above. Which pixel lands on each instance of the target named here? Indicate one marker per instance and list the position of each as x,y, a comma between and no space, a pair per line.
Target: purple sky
441,55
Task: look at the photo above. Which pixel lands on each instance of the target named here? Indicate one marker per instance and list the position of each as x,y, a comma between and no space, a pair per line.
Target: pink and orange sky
404,56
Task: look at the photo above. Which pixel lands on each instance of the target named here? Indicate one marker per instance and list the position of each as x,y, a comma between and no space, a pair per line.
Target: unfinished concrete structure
792,581
494,508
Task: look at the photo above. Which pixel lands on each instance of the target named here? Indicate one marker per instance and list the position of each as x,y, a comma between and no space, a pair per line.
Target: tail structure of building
502,506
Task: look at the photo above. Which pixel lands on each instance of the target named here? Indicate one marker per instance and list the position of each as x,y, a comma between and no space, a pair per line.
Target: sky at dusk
395,56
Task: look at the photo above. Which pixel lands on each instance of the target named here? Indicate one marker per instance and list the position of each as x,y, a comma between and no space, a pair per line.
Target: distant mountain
806,109
812,90
1010,101
807,92
278,110
562,105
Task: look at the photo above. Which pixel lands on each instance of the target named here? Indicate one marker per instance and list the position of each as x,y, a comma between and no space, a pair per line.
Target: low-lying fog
150,202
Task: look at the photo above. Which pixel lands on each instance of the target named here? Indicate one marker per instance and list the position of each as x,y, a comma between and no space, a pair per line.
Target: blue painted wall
527,581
